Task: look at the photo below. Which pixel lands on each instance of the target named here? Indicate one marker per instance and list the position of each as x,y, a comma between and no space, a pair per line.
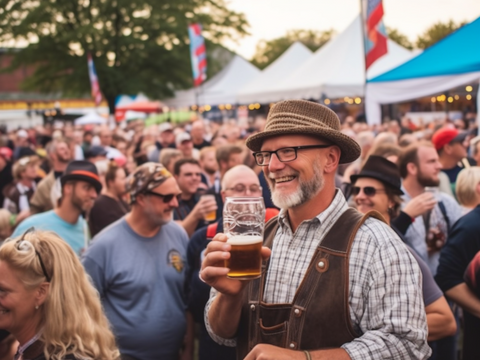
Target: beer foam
244,240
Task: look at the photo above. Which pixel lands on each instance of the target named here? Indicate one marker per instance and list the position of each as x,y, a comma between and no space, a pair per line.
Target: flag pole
363,18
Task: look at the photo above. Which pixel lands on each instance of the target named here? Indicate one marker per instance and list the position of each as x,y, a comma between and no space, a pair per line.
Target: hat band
86,173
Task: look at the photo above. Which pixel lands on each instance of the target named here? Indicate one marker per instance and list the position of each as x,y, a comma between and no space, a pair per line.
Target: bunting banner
198,54
92,73
375,32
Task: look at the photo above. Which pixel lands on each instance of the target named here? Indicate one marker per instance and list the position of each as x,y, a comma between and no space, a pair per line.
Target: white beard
305,191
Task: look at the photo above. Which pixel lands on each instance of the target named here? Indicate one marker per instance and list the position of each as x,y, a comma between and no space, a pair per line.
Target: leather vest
319,316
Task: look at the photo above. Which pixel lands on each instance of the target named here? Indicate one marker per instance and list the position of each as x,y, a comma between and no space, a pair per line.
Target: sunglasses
367,190
166,198
25,245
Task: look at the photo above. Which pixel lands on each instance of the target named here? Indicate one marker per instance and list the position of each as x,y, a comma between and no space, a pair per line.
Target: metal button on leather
321,264
297,312
252,307
292,346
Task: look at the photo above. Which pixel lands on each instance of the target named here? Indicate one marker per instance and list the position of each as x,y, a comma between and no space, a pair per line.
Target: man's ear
333,159
412,169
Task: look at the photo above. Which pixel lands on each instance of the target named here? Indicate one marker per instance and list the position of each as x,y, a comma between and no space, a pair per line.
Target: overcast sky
272,18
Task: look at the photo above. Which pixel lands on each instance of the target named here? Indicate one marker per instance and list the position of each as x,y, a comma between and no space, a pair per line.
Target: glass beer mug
243,223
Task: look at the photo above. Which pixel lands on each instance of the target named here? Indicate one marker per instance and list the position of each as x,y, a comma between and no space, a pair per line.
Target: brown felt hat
300,117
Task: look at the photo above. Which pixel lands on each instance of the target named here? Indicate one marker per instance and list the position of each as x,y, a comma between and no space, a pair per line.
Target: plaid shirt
386,306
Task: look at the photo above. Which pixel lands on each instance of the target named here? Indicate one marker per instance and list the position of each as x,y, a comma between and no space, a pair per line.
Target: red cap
445,136
6,153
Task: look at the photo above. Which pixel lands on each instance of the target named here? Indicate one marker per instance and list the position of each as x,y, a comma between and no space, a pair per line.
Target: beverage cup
212,215
434,191
243,223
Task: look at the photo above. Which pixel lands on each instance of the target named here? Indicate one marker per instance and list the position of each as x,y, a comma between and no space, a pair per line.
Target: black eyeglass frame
369,191
44,269
259,188
165,197
294,148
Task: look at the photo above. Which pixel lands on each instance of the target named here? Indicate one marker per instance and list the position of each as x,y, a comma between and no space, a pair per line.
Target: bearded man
326,291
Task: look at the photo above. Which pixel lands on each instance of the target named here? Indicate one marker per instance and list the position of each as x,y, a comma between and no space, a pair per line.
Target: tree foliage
399,38
267,51
136,45
437,32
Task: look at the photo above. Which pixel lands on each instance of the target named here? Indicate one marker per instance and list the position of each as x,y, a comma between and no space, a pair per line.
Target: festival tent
140,106
220,89
90,119
266,81
337,69
452,62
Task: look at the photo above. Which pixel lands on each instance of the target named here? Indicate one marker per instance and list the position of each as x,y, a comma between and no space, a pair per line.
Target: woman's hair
21,165
111,172
73,321
392,195
167,154
465,188
5,224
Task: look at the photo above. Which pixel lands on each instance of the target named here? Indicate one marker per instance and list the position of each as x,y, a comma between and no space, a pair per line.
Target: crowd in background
73,181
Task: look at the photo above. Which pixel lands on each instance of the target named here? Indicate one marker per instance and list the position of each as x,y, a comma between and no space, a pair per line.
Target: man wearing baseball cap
80,186
336,285
138,264
166,139
452,152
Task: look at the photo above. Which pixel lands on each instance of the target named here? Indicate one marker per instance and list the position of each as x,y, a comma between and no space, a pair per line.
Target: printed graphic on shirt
175,260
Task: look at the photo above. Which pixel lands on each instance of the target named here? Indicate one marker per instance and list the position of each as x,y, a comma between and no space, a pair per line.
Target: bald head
238,177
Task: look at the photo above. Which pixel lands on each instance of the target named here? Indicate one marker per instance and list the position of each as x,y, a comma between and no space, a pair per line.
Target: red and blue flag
198,54
375,32
92,74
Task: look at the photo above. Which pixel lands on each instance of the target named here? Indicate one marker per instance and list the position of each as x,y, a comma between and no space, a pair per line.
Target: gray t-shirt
141,285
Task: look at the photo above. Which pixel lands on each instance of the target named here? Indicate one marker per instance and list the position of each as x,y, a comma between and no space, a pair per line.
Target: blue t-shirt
141,285
74,234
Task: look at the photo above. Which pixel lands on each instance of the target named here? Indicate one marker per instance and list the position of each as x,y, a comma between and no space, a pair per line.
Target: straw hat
300,117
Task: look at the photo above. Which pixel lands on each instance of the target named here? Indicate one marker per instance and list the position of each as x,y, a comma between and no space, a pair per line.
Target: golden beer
245,261
211,216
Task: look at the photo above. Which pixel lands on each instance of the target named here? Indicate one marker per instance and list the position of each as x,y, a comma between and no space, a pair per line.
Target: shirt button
321,264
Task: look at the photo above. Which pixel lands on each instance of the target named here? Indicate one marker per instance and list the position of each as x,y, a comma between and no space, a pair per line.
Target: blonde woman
48,304
467,188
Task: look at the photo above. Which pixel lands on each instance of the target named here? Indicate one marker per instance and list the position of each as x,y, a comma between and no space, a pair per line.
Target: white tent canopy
265,83
90,118
221,89
336,69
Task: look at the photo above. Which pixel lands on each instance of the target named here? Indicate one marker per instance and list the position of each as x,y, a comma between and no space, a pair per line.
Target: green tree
267,51
399,38
437,32
136,45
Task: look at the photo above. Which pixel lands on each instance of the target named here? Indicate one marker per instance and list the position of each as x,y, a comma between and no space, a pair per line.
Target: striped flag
375,33
198,54
92,73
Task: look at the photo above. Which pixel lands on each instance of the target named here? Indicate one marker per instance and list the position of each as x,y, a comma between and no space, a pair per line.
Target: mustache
273,176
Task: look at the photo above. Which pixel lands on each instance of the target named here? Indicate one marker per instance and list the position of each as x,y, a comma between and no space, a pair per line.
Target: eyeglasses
286,154
166,198
25,245
240,188
367,190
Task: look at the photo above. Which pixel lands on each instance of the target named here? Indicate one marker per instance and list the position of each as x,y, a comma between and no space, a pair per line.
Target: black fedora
84,171
381,169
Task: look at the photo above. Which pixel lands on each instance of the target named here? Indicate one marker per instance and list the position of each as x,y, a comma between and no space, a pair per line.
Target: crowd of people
113,245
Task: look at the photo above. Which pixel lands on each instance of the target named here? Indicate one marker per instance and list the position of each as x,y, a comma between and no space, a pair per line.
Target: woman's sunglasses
367,190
